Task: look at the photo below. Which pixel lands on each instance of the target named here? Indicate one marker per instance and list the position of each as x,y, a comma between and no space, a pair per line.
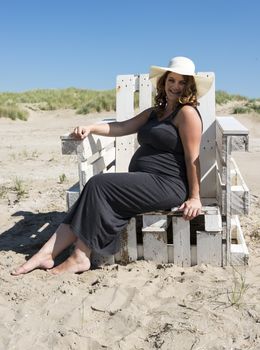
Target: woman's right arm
125,127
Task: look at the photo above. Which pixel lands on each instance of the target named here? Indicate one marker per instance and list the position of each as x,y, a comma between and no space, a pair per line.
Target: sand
138,306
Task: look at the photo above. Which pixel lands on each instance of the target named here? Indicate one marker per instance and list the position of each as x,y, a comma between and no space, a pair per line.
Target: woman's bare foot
40,260
78,262
44,259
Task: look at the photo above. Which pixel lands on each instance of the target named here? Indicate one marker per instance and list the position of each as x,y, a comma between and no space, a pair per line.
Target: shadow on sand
29,234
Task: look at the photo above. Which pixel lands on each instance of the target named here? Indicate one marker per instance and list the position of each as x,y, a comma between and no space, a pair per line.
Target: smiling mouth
175,92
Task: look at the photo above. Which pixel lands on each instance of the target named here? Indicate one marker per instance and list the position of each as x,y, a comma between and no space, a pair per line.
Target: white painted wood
124,110
85,171
170,249
155,242
72,194
239,200
207,150
228,196
209,248
131,240
210,210
107,158
87,147
140,251
231,126
193,250
239,251
93,146
224,254
235,172
170,253
181,241
128,248
145,92
149,220
213,222
220,163
108,147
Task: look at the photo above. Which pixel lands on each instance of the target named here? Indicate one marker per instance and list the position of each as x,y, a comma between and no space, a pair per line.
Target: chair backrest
127,87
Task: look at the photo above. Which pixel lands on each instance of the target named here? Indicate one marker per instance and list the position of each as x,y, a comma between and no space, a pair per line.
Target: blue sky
85,44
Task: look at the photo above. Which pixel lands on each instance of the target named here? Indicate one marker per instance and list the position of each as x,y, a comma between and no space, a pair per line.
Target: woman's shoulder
188,113
188,109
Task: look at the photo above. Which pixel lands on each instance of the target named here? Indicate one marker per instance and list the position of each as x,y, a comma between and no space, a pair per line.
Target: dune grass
223,97
249,107
86,101
13,112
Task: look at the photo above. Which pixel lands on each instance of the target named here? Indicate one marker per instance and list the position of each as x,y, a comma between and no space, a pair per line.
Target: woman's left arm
190,130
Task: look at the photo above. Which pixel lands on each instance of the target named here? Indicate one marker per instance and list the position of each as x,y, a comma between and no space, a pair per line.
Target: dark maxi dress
156,181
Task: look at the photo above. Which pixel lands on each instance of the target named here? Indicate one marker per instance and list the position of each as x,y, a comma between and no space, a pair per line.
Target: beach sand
138,306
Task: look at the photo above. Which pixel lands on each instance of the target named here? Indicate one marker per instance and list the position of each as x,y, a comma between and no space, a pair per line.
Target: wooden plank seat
214,237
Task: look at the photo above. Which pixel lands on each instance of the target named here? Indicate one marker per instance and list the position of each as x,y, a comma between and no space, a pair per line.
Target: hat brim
203,80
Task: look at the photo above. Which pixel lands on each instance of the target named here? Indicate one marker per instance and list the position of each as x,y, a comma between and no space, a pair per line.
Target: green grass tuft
249,107
223,97
13,112
20,188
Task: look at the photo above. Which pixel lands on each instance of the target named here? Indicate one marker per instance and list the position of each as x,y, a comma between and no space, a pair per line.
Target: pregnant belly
149,160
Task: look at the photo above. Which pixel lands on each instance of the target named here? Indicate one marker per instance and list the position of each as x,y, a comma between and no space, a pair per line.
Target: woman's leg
44,258
79,261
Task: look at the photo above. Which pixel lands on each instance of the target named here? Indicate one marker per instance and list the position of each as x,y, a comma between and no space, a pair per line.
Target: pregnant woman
163,173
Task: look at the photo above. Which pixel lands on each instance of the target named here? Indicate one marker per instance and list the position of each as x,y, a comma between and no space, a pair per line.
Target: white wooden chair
215,237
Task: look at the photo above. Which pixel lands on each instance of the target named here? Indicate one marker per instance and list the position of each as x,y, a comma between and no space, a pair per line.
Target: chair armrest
231,135
69,145
229,125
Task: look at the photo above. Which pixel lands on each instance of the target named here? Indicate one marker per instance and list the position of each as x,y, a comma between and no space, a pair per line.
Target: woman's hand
191,208
81,132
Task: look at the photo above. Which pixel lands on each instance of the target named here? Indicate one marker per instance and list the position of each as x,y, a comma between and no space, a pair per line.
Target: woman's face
174,86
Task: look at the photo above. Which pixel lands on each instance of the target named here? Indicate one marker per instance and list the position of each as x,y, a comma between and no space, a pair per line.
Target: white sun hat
183,66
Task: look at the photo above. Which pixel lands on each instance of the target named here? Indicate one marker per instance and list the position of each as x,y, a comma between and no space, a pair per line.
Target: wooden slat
213,222
231,126
124,110
228,197
239,192
131,240
207,149
236,172
100,165
145,92
110,147
72,194
170,247
128,249
104,161
239,251
221,163
181,241
150,219
239,200
209,248
155,242
87,147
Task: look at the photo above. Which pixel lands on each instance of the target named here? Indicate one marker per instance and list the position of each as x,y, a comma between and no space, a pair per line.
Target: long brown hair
188,96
